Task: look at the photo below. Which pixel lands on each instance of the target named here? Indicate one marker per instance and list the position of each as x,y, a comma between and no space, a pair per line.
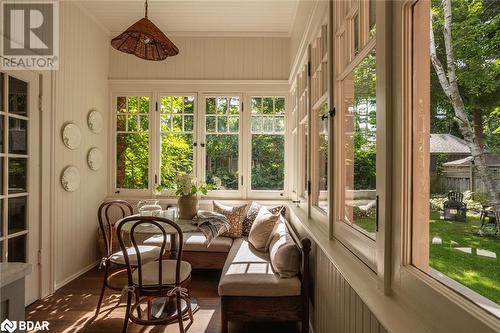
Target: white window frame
125,191
271,194
241,172
199,160
157,133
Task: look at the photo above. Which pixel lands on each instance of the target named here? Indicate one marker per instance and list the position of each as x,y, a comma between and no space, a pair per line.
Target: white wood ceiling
227,17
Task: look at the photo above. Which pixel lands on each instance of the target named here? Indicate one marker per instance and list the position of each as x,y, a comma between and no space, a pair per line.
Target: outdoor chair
455,208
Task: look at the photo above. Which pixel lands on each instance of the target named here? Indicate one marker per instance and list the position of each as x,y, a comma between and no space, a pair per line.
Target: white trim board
75,275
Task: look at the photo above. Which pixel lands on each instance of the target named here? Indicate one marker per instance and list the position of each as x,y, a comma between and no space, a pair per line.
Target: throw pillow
284,255
252,214
262,228
235,215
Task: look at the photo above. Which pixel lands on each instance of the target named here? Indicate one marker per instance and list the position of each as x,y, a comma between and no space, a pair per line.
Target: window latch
296,201
332,112
195,144
202,144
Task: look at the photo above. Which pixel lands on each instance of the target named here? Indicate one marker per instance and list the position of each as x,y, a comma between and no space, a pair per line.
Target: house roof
491,160
447,143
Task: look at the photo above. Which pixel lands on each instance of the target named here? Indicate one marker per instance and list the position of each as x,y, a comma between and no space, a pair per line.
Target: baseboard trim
74,276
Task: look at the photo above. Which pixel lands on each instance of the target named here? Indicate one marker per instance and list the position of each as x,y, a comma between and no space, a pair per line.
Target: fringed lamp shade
146,41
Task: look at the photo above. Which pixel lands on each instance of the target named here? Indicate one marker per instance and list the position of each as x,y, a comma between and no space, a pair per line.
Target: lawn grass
477,272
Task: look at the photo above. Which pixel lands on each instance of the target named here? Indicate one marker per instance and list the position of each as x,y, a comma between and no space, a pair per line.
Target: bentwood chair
157,281
107,215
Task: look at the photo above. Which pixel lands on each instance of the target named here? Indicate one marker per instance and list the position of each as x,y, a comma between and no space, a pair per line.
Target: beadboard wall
210,58
79,85
336,306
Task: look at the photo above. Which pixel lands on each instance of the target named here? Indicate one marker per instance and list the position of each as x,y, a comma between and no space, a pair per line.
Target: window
132,142
222,128
14,159
320,158
159,135
177,130
360,143
268,143
453,234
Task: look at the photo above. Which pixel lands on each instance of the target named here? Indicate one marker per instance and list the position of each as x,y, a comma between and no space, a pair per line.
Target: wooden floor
71,309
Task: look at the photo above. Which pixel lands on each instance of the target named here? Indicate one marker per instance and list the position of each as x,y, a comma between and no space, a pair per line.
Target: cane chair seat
150,272
148,253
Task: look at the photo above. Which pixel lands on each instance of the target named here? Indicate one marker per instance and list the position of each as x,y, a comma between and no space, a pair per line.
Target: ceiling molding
221,34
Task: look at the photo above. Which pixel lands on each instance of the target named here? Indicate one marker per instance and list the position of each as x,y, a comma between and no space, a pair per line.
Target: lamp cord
146,8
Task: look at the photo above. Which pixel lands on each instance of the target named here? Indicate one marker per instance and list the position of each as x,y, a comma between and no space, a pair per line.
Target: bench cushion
248,272
196,242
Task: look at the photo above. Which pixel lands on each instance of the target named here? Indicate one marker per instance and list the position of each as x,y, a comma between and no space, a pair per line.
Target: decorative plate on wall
94,158
71,136
70,178
95,122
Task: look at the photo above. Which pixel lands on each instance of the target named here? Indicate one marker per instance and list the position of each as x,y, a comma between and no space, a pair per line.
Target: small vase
188,207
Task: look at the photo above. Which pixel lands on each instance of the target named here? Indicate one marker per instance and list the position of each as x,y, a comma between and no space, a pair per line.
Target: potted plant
186,187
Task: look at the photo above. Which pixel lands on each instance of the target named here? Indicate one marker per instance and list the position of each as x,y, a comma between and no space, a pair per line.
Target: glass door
19,222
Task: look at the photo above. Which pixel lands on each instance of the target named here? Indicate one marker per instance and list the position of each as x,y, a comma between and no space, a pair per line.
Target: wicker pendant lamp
144,40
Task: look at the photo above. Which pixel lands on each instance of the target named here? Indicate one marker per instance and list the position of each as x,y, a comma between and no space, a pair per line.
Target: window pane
222,160
2,98
268,107
17,175
132,106
132,147
121,104
256,104
17,136
2,117
132,160
321,156
189,104
233,124
211,124
17,249
1,179
18,95
279,105
16,216
210,105
267,144
1,218
176,157
360,145
176,141
268,162
234,107
222,105
121,123
221,124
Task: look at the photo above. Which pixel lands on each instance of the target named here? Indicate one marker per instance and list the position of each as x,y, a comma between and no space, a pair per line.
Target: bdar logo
8,326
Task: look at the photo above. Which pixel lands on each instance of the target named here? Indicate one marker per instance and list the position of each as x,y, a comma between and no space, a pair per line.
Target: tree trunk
478,125
448,80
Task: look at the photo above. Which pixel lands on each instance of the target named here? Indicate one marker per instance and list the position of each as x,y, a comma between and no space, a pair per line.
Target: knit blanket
211,224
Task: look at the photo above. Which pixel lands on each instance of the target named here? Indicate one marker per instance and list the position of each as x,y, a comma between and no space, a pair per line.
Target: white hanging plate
71,136
70,178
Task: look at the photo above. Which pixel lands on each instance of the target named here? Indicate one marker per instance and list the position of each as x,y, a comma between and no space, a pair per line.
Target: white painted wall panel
80,85
211,58
336,307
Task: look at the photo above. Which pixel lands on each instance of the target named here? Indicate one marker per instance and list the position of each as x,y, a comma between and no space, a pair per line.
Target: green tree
469,78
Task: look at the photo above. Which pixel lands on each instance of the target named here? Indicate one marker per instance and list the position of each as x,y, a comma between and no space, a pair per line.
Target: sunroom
250,166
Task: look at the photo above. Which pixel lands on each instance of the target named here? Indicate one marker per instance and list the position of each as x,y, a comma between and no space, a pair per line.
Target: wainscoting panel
336,308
